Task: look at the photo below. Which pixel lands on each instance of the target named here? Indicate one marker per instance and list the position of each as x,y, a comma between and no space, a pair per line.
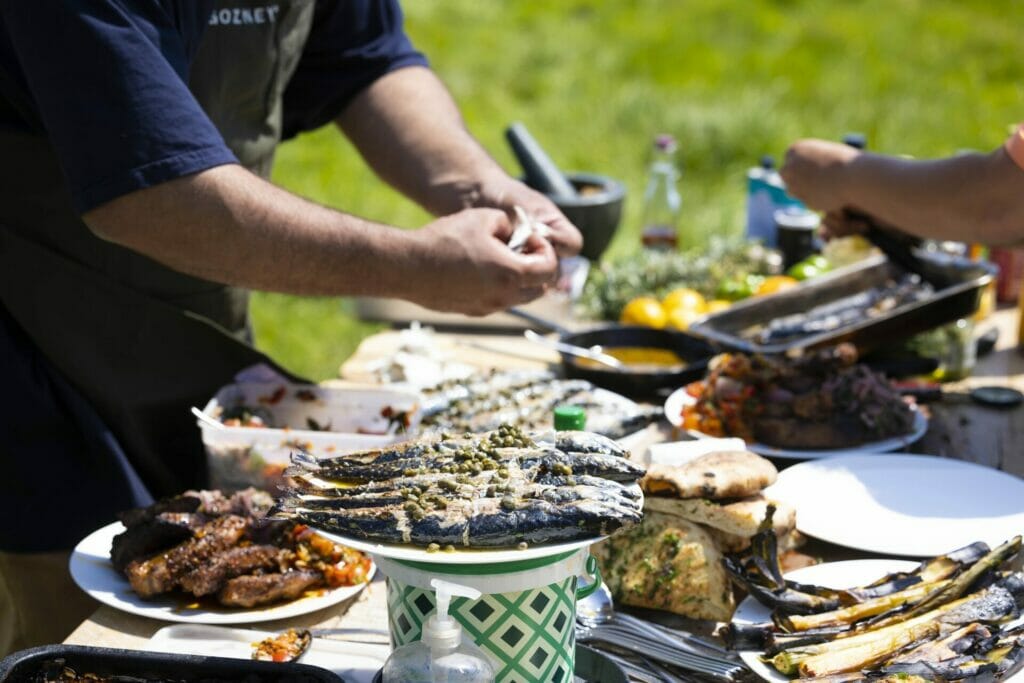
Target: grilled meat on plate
161,573
526,399
209,577
251,591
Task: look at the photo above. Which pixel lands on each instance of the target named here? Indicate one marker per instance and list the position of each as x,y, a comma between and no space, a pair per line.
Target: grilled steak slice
250,591
247,503
146,538
842,431
271,532
136,516
209,577
161,573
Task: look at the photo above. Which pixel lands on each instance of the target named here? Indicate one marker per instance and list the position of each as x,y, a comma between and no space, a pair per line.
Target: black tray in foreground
591,666
27,665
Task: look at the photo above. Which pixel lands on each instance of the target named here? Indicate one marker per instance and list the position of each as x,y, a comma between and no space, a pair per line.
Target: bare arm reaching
971,197
410,132
227,225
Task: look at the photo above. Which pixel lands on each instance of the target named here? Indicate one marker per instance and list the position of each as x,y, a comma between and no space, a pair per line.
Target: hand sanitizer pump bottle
442,655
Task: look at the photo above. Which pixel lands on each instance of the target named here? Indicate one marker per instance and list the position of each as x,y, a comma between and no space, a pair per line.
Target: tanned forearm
230,226
971,197
410,132
227,225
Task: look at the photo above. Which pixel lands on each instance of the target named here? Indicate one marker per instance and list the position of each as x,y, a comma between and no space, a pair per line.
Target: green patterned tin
525,620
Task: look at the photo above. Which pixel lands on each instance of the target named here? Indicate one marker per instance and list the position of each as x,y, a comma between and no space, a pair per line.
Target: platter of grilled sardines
449,498
952,617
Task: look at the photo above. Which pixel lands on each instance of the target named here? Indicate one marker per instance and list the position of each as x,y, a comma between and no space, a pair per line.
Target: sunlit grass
594,81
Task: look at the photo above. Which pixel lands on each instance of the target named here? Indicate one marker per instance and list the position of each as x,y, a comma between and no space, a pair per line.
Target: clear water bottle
662,202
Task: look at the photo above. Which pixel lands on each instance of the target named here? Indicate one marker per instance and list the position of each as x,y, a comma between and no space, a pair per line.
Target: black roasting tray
23,666
591,667
958,282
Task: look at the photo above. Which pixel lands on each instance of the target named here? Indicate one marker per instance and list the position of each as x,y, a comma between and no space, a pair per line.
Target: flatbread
737,518
731,543
727,474
667,563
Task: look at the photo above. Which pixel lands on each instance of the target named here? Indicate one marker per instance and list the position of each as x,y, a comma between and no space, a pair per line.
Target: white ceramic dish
91,569
912,505
830,575
679,399
355,662
467,556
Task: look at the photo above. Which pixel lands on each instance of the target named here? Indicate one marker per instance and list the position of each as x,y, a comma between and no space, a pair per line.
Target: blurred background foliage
731,79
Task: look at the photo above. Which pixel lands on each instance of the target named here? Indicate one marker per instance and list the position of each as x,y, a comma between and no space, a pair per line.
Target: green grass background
731,79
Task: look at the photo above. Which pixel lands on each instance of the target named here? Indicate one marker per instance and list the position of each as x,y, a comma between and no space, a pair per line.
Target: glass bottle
662,202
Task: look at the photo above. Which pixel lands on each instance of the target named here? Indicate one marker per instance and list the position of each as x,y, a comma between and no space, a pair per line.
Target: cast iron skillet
638,385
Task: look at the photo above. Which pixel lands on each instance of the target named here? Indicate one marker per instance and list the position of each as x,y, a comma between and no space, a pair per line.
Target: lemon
686,299
716,305
681,319
643,310
776,283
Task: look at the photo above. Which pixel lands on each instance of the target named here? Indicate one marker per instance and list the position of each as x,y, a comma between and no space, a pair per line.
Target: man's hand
842,223
462,263
409,130
815,172
506,193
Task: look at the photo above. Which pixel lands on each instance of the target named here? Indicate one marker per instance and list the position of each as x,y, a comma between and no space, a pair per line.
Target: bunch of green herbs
655,273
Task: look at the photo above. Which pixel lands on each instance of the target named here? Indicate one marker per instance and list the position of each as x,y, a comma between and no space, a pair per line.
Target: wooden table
959,429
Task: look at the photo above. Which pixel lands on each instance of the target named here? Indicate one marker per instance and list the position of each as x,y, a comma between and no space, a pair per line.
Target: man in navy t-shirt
135,214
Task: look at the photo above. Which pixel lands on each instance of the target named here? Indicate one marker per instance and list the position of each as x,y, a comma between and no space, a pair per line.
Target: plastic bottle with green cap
570,418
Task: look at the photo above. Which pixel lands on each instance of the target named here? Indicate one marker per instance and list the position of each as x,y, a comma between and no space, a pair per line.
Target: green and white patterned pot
525,620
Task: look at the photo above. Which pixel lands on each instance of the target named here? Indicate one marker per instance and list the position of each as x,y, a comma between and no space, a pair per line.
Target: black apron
117,346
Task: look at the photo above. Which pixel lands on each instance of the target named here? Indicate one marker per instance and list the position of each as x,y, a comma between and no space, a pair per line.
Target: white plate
830,575
896,504
467,556
679,399
353,661
91,569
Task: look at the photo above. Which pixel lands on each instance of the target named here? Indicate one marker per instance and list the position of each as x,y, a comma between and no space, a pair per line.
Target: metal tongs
899,247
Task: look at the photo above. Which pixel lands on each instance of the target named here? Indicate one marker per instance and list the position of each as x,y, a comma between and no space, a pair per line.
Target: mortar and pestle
592,202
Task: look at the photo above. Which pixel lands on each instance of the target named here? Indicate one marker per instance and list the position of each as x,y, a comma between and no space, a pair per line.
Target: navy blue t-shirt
106,81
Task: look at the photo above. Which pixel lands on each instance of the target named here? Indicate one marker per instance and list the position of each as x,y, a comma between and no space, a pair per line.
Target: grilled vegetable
940,621
848,616
863,655
758,573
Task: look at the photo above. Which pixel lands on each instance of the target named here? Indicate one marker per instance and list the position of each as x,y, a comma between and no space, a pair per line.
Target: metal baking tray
958,282
26,665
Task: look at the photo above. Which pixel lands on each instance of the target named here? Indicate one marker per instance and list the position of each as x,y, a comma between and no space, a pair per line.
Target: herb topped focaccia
667,563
